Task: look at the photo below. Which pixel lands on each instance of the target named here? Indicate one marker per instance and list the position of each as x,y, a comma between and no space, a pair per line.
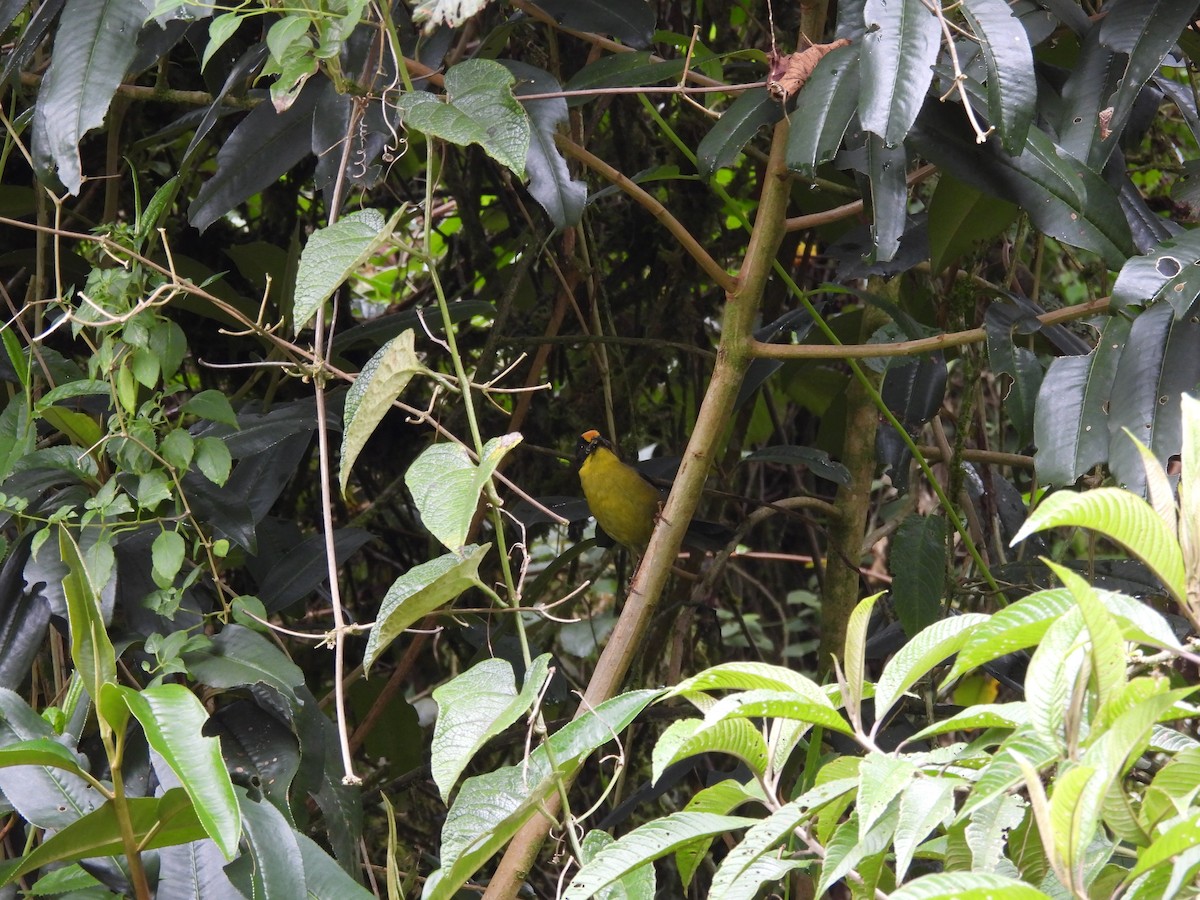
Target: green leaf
925,804
850,846
1075,812
782,705
174,720
918,561
886,168
154,822
960,218
212,405
378,385
91,650
742,866
274,866
1051,680
827,104
479,109
855,661
446,486
1107,645
966,886
475,707
737,127
39,752
621,70
220,30
1063,197
741,676
988,829
332,255
981,715
167,554
685,738
550,180
177,448
238,657
1121,516
919,655
637,884
94,45
490,808
18,434
84,387
420,591
1179,837
1070,424
213,459
1166,273
645,844
896,68
1011,83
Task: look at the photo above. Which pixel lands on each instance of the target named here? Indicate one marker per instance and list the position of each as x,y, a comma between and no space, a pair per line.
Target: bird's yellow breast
624,504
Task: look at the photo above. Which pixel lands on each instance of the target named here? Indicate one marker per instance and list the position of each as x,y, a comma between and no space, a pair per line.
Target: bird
625,504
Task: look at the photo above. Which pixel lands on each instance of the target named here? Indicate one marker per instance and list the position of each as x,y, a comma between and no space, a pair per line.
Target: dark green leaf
1011,84
263,146
918,563
1160,361
1063,197
898,53
629,21
960,218
550,181
736,128
621,70
817,461
889,195
824,108
1070,426
93,47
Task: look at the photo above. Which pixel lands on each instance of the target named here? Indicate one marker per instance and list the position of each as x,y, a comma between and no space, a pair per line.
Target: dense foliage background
307,307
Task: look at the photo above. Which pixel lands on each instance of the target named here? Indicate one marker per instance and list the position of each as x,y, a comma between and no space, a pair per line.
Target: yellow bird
626,505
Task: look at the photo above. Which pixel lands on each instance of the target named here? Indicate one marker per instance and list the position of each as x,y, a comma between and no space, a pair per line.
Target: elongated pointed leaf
898,53
1170,272
919,655
1120,516
174,720
827,103
490,808
155,822
967,886
1160,362
1063,197
647,843
737,127
91,649
1070,424
1011,84
93,47
550,180
263,147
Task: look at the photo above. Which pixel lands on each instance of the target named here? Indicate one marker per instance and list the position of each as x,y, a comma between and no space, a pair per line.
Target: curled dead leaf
788,73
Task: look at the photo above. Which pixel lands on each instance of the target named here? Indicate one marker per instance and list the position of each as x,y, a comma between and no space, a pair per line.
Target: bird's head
588,442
